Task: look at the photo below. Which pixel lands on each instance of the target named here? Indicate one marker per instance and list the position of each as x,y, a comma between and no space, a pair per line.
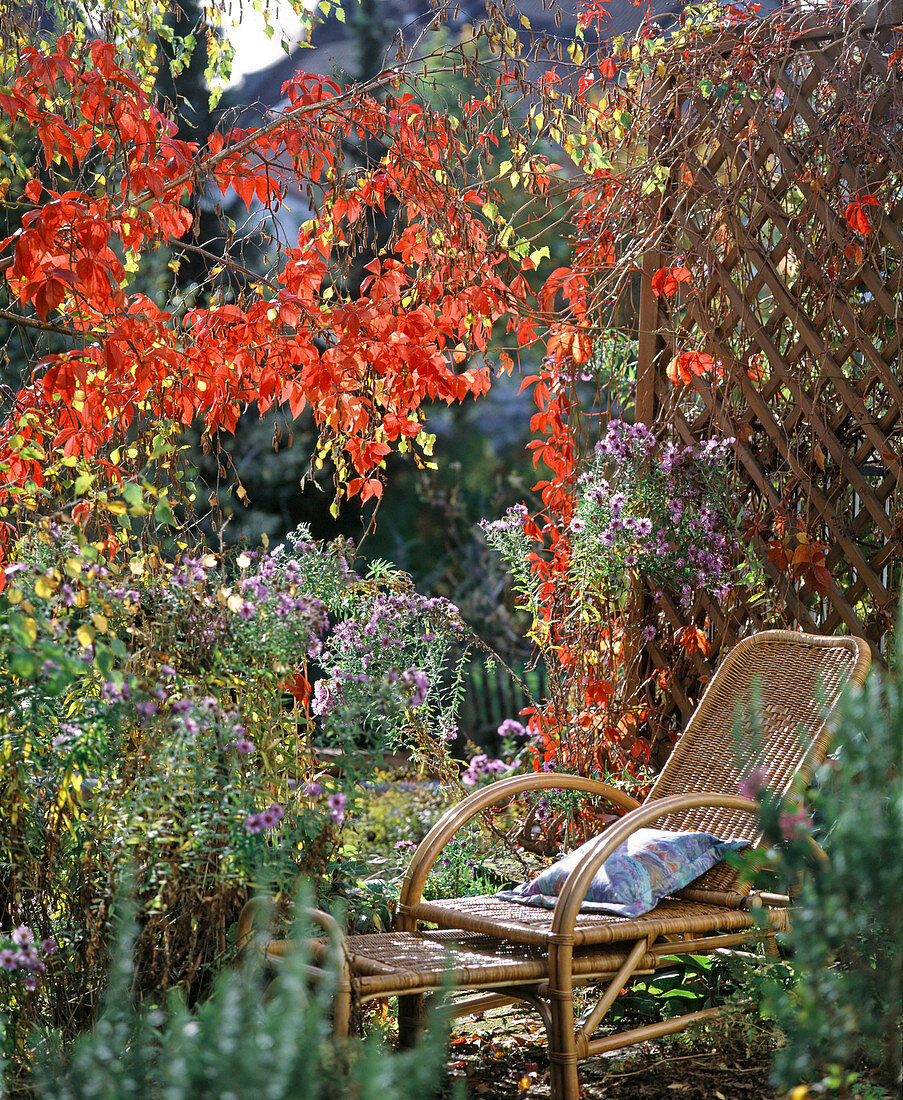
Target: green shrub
243,1042
843,1009
156,713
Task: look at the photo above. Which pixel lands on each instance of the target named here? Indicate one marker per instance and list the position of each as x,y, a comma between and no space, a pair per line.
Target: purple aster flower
8,959
30,982
577,526
794,824
649,633
246,611
190,726
253,824
404,845
271,817
417,680
49,946
48,668
752,784
22,935
242,746
327,694
147,708
337,803
27,957
511,728
643,527
312,790
167,671
181,706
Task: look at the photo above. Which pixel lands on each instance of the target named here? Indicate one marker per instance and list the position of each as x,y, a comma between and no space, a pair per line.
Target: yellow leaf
81,598
136,567
14,596
101,622
31,628
85,635
44,588
234,602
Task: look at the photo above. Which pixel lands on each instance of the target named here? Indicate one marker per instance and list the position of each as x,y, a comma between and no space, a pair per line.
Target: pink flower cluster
269,819
21,957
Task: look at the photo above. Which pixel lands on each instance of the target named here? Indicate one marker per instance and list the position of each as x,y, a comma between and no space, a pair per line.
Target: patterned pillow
648,866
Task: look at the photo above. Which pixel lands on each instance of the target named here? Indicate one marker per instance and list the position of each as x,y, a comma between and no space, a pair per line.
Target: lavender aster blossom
22,935
253,824
416,679
271,817
337,803
511,728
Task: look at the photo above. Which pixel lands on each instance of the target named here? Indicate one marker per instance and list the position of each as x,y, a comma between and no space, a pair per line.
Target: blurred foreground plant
241,1042
844,1003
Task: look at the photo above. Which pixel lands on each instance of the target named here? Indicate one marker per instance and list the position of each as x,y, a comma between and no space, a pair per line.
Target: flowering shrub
146,724
639,511
660,512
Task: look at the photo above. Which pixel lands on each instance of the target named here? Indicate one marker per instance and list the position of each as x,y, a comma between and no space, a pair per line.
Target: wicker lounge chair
508,952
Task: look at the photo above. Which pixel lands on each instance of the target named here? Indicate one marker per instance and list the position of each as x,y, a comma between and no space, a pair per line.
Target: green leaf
163,513
23,665
103,660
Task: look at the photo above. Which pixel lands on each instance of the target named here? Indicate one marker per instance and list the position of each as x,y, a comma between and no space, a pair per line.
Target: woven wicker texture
392,963
522,924
797,678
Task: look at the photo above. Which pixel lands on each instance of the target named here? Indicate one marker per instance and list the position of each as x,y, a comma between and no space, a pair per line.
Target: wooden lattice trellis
802,315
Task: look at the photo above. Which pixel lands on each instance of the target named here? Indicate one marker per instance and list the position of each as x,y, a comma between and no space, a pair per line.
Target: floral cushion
648,866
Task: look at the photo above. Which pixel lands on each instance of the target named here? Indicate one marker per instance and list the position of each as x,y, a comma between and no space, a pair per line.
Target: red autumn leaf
856,215
298,687
777,554
693,640
809,565
608,67
683,367
666,280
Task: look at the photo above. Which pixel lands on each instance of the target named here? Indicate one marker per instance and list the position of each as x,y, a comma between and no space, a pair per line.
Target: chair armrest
259,905
430,848
577,883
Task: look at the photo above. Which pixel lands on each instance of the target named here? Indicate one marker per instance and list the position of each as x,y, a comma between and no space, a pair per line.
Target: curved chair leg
562,1041
410,1019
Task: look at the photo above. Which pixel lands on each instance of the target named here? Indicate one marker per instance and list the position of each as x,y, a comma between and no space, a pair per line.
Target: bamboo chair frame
511,953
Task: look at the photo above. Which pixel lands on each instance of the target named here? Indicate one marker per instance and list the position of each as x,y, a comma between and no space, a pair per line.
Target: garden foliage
243,1041
844,1005
158,715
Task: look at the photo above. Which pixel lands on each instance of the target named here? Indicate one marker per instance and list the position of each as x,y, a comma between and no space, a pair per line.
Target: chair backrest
799,678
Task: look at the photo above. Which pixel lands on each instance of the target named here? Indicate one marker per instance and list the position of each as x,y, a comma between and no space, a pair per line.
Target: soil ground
502,1056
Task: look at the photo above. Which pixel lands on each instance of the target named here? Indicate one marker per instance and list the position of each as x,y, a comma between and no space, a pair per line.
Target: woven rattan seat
538,956
521,924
